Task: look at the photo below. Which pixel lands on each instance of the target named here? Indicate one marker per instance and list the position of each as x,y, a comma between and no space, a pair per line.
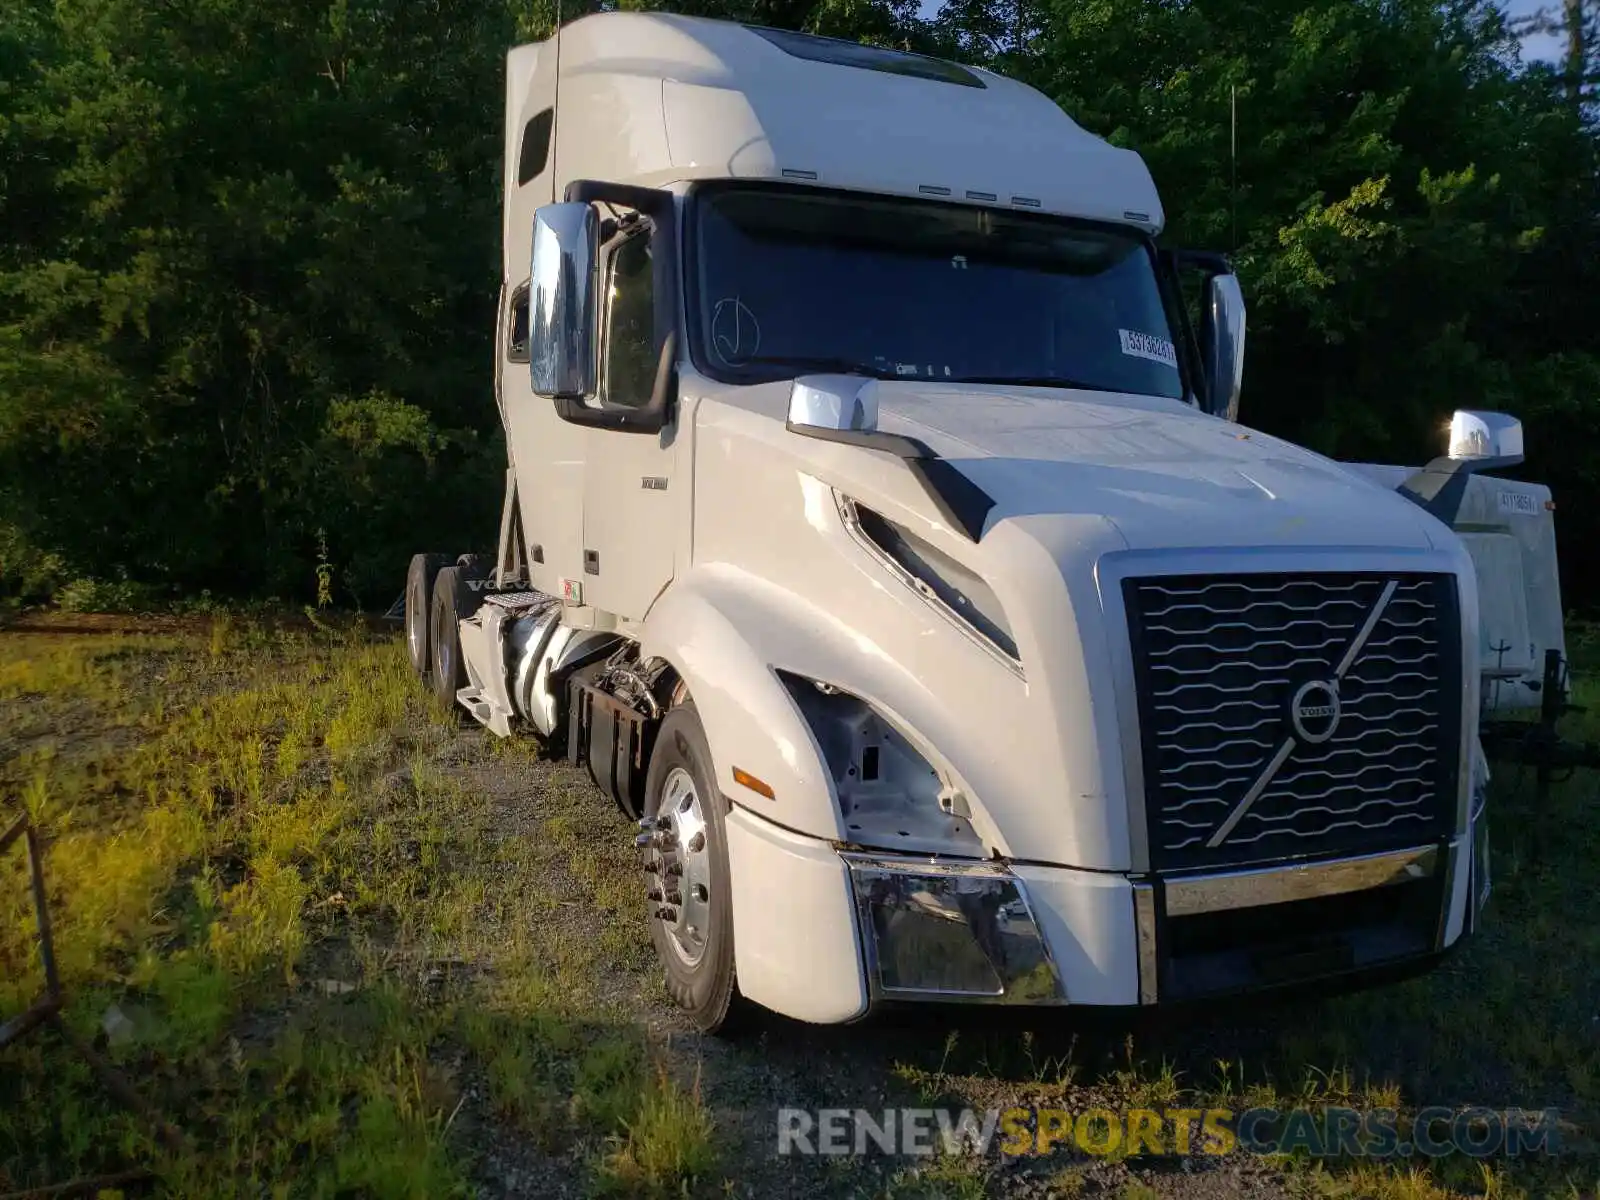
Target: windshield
793,280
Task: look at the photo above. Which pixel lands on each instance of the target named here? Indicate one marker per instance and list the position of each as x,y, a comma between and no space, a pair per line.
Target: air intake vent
1287,716
947,583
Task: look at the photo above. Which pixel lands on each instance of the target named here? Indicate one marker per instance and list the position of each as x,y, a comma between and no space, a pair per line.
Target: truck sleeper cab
879,532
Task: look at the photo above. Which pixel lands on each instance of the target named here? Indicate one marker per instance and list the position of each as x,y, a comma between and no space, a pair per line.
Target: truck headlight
890,795
950,931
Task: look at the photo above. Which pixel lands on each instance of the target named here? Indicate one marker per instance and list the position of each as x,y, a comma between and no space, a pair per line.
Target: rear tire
452,602
696,947
419,609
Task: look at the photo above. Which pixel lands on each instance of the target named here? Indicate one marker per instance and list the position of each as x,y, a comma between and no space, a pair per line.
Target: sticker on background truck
1144,345
1520,503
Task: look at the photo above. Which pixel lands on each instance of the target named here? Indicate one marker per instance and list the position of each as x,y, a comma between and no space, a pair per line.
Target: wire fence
45,1010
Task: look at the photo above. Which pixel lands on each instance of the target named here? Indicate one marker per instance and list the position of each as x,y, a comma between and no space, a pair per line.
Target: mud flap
1478,882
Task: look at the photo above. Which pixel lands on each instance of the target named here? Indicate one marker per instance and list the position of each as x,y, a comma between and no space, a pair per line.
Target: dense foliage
248,260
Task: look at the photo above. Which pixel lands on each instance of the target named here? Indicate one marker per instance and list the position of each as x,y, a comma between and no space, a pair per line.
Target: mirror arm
1172,292
1440,486
642,199
961,502
652,418
1212,262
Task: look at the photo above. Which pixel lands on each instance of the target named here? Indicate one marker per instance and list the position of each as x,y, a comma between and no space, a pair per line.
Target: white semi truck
880,533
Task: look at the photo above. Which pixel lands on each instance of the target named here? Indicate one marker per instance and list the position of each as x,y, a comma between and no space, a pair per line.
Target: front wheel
686,869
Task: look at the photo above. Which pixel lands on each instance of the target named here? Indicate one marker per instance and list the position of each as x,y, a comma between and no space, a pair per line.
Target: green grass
309,944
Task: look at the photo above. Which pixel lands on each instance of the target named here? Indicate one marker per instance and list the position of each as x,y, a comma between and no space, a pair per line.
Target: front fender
723,631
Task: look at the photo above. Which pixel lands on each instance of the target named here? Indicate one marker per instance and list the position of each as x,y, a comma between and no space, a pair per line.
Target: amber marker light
750,781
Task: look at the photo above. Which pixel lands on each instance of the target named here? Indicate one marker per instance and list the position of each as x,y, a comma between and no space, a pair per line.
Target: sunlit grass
664,1146
297,930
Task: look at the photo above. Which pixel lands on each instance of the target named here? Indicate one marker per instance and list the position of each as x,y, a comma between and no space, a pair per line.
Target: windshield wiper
1058,381
836,366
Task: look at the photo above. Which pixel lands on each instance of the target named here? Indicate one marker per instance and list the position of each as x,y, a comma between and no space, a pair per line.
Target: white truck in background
880,533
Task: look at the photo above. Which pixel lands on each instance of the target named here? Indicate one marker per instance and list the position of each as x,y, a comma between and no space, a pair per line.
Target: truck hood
1162,473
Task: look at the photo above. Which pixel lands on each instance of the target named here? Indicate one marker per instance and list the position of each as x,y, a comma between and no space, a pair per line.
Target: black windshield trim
705,189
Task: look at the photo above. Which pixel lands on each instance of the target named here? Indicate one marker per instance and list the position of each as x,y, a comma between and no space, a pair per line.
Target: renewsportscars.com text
1323,1132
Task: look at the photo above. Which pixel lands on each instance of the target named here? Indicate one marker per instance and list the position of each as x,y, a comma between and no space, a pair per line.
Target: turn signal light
745,779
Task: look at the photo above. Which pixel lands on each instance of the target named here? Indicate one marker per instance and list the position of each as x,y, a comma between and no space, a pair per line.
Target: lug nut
674,869
644,841
697,843
651,867
667,914
653,894
647,822
674,897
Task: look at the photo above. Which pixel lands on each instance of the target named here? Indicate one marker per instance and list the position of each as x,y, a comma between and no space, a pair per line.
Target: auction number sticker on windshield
1144,345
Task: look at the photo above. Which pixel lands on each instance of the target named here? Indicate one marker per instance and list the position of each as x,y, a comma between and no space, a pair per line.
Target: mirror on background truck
1491,436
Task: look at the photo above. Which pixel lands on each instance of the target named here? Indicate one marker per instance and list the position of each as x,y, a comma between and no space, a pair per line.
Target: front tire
693,937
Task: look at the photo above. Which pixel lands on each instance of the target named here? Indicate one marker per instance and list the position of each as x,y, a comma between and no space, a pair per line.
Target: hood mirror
844,409
834,402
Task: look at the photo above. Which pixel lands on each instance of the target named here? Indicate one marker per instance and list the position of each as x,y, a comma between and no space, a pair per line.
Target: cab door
546,452
634,498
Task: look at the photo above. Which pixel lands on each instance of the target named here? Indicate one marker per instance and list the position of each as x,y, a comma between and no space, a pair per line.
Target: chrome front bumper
1237,931
969,933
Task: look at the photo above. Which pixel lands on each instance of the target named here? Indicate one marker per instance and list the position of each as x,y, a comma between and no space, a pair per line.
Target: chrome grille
1230,778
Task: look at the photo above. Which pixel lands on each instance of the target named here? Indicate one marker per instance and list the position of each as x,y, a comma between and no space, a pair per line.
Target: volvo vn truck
880,534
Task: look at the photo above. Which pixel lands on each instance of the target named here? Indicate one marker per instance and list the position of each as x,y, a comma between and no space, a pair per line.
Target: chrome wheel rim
686,850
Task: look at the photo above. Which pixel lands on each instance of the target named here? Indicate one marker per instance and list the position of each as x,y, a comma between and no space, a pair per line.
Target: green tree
248,251
248,283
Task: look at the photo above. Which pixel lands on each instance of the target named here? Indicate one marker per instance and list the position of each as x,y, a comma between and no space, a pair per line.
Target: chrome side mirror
1485,435
1222,345
562,301
836,402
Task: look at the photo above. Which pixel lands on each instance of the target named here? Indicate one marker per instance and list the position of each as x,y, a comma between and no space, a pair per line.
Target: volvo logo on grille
1314,711
1313,714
